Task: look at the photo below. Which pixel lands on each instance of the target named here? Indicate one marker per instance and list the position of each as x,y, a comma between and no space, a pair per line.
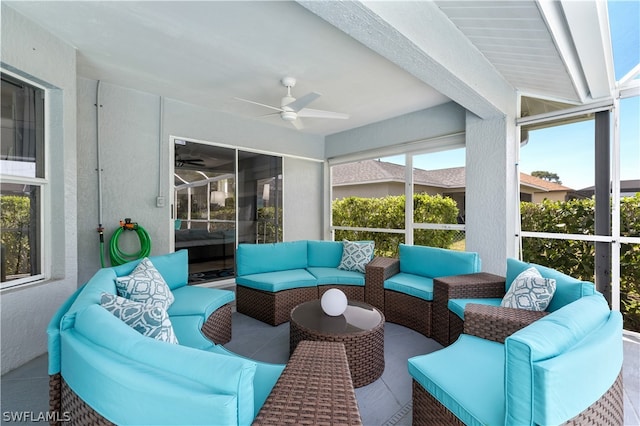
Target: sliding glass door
223,196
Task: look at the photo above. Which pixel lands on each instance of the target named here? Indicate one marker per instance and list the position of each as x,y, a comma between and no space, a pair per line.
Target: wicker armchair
447,326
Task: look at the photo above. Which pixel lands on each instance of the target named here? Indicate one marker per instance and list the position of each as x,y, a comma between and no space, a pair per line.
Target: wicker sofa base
272,308
408,311
353,292
217,327
608,410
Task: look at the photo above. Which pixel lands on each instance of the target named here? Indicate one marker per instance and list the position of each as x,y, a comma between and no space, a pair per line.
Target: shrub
388,212
577,258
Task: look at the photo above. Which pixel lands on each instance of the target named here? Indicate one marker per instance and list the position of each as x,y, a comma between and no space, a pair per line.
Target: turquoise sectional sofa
271,279
564,366
102,368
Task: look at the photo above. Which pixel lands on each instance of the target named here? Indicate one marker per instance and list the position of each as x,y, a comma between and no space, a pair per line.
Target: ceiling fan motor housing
288,115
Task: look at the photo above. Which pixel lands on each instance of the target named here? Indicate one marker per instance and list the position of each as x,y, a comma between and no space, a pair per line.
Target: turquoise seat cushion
457,305
278,281
336,276
203,301
413,285
254,259
174,268
568,289
324,254
466,377
187,330
139,377
265,378
436,262
545,339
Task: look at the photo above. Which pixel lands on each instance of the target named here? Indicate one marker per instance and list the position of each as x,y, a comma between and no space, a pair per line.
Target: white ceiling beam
589,26
419,38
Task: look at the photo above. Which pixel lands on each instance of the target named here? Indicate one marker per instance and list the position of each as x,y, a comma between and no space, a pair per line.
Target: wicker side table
360,329
315,388
445,328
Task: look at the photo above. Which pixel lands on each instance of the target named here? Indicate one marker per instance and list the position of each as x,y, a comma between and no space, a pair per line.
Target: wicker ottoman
360,329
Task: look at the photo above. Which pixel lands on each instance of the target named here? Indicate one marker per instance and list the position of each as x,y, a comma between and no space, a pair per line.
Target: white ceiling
209,52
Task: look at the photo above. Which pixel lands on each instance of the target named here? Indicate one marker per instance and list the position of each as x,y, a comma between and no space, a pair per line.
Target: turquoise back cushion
546,339
433,262
324,254
260,258
174,268
568,289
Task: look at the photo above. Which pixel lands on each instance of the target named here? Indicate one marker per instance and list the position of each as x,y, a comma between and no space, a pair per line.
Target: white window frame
45,200
438,144
627,87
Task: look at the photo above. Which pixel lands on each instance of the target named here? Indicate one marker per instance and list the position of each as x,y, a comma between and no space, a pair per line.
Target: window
22,169
369,200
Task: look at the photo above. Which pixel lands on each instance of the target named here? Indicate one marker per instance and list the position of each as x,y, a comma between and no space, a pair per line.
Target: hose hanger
119,257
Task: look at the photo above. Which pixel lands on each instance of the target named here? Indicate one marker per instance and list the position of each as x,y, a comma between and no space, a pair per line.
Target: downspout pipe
100,228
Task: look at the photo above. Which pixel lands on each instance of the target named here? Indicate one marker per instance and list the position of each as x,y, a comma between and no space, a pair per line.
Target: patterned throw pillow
530,291
145,284
146,319
356,255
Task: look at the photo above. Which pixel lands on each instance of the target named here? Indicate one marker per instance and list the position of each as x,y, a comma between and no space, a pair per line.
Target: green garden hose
118,257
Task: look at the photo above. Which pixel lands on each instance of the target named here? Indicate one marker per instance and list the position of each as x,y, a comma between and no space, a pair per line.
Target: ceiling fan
292,109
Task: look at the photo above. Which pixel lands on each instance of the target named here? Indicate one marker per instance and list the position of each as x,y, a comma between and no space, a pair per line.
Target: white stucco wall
136,168
492,190
33,53
441,120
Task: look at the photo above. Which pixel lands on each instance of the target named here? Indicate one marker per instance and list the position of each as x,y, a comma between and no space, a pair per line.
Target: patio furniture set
500,364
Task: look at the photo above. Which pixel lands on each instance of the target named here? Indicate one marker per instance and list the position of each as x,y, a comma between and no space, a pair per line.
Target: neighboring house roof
375,171
632,185
545,185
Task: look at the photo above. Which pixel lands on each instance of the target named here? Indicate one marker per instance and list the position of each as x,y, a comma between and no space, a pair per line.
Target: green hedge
15,234
577,258
388,212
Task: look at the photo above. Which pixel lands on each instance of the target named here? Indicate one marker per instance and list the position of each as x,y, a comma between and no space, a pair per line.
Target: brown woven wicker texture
315,388
427,411
365,350
353,292
271,307
217,327
497,323
409,311
376,271
607,411
55,396
78,411
467,286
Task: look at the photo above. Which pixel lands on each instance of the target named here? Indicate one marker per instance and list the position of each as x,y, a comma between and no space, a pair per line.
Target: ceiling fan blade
318,113
298,124
258,103
302,102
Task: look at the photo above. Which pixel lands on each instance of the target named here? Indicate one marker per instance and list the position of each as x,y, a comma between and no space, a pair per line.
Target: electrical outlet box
160,201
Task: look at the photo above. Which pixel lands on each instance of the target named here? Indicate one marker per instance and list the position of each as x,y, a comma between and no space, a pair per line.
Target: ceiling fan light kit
291,109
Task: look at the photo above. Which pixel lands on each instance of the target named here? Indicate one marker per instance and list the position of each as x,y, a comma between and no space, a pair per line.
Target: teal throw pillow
530,291
356,255
148,320
145,284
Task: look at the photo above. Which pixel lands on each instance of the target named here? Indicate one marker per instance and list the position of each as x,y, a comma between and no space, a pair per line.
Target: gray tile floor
384,402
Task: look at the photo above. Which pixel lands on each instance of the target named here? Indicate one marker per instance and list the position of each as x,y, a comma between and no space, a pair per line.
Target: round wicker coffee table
360,329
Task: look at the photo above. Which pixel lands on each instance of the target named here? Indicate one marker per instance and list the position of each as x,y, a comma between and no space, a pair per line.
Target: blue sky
568,150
